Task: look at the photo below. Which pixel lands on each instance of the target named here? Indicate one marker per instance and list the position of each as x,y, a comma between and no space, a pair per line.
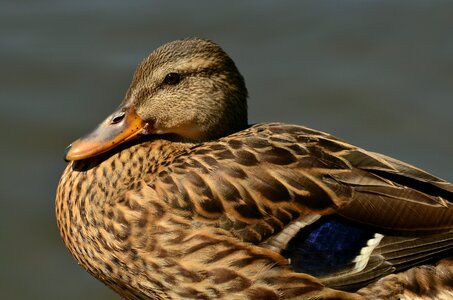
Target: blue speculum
327,246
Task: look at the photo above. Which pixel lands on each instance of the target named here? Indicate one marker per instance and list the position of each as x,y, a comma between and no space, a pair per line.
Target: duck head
188,89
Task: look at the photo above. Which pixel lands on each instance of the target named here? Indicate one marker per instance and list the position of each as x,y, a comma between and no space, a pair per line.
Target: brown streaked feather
249,186
421,283
407,210
262,187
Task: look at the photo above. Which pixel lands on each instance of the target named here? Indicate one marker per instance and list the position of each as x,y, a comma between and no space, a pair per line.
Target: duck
176,196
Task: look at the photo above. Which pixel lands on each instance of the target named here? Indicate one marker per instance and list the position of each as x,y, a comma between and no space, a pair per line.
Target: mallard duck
176,196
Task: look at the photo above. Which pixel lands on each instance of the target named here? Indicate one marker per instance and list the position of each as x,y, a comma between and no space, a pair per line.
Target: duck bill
121,126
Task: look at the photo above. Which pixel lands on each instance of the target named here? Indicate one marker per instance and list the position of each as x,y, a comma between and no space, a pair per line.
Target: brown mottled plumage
423,283
175,197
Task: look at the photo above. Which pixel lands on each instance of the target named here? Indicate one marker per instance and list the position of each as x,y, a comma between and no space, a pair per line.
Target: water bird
175,196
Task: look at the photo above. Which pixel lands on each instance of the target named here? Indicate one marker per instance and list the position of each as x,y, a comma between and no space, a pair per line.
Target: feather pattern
272,211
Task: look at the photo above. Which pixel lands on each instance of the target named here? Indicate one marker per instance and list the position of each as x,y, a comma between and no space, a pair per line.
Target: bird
176,196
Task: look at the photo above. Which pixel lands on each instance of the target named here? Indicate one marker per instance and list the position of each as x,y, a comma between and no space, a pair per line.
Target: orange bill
119,127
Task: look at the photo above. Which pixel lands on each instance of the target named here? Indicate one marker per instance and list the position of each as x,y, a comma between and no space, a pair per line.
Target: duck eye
172,78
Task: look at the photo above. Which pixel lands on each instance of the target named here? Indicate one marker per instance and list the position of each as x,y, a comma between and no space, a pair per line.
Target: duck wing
395,196
333,210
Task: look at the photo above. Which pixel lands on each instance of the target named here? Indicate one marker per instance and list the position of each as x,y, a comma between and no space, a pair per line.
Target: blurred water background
376,73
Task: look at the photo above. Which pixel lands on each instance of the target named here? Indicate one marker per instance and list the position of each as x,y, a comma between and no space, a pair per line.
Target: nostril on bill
118,117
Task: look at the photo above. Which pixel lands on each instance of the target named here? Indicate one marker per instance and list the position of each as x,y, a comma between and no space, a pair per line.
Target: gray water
376,73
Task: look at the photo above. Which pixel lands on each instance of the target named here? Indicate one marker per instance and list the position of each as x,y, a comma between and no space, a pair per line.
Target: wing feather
262,185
